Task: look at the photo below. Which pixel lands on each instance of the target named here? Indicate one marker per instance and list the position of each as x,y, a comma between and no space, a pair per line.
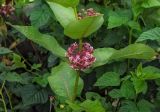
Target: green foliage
64,15
153,34
62,81
108,79
125,35
84,27
46,41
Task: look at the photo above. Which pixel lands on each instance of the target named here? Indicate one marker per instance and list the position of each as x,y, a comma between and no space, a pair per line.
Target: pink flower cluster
85,13
6,10
80,59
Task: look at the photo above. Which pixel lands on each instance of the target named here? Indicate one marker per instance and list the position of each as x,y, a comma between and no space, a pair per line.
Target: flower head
86,13
6,10
80,59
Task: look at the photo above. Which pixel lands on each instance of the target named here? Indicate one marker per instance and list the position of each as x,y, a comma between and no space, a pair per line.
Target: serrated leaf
108,79
145,106
128,106
84,27
62,81
46,41
63,15
33,95
134,51
151,3
150,73
153,34
40,16
127,90
115,93
140,85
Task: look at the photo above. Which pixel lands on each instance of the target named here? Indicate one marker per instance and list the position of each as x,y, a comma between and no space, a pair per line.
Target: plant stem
80,44
3,100
76,86
75,12
9,98
129,42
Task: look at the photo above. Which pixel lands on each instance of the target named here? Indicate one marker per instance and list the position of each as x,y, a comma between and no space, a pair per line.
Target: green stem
130,42
80,44
9,98
75,12
3,100
76,86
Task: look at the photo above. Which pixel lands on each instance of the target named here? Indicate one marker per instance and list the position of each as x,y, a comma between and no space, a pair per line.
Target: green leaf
67,3
33,95
134,51
92,106
127,90
87,106
44,40
42,80
153,34
118,18
145,106
140,85
63,15
151,3
17,62
62,81
108,79
128,106
84,27
103,56
115,93
40,16
134,25
4,51
150,72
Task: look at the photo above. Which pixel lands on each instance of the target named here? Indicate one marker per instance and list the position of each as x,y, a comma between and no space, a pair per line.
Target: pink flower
86,13
80,59
6,10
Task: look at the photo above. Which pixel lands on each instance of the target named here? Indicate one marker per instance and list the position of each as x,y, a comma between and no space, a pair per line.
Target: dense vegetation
79,56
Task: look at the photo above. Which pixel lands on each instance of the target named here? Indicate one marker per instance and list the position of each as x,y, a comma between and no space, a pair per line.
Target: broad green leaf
42,80
46,41
118,18
134,51
115,93
140,85
4,51
63,15
67,3
84,27
87,106
127,90
150,73
103,56
128,106
137,9
108,79
145,106
32,95
62,81
92,106
153,34
151,3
